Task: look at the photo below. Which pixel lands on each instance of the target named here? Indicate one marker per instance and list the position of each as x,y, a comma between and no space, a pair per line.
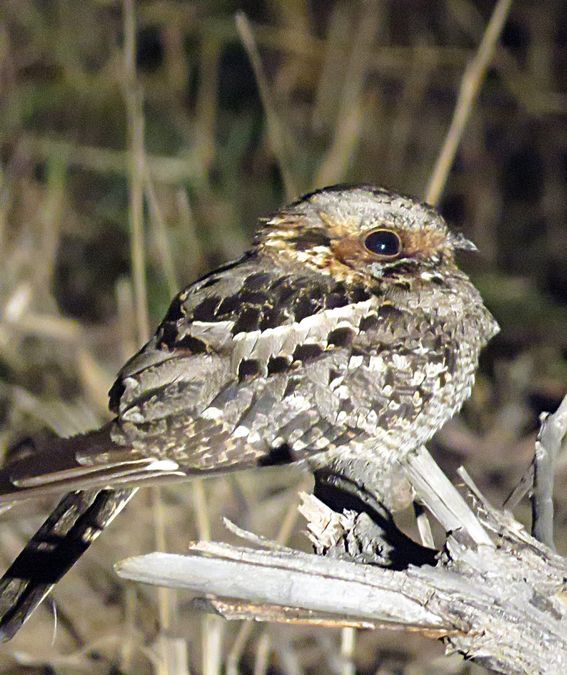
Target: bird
342,340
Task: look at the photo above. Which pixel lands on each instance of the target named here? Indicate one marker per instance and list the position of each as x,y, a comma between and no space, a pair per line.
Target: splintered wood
495,594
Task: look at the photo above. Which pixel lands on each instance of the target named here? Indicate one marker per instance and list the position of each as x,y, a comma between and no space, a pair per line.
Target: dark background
359,91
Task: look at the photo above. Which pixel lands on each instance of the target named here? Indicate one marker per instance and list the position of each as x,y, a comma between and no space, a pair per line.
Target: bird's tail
76,522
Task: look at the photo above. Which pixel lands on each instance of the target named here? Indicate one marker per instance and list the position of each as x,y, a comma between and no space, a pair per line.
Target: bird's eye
384,242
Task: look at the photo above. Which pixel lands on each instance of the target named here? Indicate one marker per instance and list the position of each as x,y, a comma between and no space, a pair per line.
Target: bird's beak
458,240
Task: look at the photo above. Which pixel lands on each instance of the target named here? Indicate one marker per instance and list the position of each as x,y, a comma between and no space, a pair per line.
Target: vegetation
139,143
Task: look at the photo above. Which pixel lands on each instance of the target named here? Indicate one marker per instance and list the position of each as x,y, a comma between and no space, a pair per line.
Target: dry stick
542,502
542,498
423,526
470,86
278,140
211,625
263,650
439,495
126,314
137,171
212,628
264,643
481,599
550,440
275,127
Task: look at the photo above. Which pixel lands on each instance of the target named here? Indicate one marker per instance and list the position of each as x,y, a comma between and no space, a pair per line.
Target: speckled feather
310,348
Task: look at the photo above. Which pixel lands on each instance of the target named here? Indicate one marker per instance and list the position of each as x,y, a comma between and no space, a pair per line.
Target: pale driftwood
500,606
549,443
495,594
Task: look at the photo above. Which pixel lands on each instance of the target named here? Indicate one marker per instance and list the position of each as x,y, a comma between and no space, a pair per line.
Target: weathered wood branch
500,606
550,441
494,593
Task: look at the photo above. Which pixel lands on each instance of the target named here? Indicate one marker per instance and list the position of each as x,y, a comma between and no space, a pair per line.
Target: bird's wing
55,465
245,370
235,372
167,395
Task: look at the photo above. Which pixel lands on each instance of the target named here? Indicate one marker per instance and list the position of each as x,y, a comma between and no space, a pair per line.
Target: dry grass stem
134,111
108,161
470,86
135,116
161,236
278,135
352,109
348,648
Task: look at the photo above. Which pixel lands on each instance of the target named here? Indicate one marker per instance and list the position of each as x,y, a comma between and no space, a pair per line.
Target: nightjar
344,338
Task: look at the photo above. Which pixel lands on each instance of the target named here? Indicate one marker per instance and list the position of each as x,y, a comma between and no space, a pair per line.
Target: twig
539,477
358,590
470,86
542,496
548,445
256,539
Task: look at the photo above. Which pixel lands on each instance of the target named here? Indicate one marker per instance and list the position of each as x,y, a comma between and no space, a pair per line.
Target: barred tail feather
75,523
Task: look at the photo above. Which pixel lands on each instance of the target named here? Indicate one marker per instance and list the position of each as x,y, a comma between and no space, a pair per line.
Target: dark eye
384,242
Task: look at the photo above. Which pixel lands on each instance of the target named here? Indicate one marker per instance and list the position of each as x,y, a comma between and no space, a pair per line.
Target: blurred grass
360,91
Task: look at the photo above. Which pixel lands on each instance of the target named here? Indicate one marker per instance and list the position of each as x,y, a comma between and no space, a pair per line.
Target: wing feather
86,461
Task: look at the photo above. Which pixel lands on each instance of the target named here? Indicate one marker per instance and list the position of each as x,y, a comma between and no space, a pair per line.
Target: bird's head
361,233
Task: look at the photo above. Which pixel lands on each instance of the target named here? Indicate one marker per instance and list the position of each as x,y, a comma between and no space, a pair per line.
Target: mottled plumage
322,344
